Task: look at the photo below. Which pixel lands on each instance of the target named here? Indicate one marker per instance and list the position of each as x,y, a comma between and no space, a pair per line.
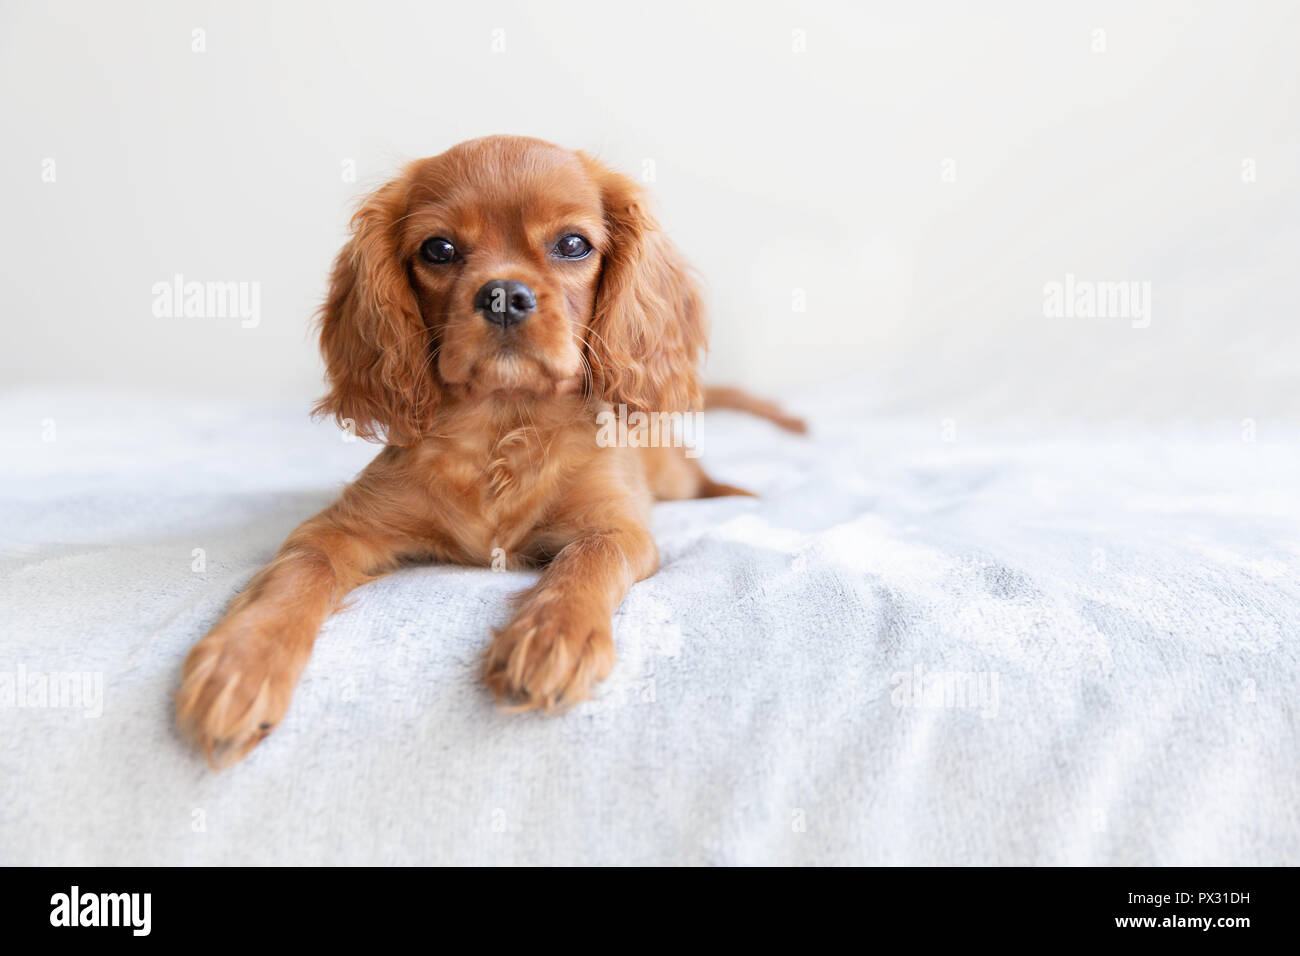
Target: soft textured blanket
926,643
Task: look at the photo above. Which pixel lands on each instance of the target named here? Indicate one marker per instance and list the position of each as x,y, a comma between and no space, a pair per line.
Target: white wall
776,170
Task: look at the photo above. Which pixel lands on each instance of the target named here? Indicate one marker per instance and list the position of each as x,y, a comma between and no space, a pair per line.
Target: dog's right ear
648,328
377,348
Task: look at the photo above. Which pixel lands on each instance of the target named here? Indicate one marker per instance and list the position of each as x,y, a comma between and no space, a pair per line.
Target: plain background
914,173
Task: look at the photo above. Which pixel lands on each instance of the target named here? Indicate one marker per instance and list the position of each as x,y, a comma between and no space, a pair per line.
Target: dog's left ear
649,326
376,345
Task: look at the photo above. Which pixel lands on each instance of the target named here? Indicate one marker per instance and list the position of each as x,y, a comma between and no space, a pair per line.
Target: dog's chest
502,488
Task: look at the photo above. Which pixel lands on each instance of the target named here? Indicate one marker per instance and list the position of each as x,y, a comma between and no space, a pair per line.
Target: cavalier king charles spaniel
491,304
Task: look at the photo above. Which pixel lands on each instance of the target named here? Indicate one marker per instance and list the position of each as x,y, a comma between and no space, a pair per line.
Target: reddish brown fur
491,440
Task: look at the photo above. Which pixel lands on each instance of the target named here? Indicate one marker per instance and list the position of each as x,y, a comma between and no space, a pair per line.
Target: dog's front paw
235,686
551,654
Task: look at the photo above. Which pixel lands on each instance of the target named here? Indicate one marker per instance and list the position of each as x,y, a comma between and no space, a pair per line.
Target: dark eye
572,247
438,250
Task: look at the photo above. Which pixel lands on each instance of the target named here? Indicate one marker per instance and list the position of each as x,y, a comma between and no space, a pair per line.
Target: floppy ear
377,349
649,325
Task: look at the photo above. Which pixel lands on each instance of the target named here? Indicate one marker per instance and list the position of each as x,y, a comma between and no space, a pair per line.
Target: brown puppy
492,302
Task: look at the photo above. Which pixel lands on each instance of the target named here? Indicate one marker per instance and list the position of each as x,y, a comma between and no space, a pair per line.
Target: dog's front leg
237,681
559,642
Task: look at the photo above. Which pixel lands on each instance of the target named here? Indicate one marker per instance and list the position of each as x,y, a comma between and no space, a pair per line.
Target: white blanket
1077,648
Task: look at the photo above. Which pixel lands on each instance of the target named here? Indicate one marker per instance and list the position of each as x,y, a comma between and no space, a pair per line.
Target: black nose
505,302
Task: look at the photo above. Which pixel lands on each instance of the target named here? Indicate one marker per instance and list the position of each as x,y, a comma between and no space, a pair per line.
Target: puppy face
504,248
506,268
